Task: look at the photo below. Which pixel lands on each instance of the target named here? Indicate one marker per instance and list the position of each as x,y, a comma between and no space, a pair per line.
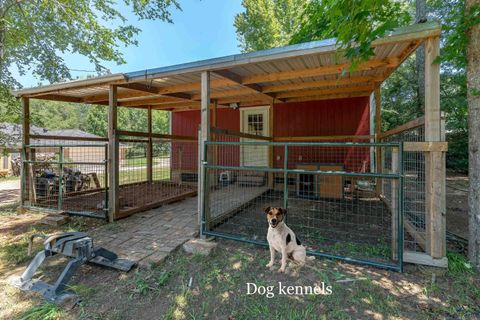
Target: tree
472,27
34,33
461,49
267,23
360,24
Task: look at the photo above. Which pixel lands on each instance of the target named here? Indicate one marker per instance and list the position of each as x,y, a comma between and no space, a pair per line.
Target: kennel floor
131,196
358,228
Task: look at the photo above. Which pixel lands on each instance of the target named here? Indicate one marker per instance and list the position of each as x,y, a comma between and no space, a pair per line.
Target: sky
204,29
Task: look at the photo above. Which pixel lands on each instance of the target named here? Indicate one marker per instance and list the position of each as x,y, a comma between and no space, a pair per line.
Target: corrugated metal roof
313,69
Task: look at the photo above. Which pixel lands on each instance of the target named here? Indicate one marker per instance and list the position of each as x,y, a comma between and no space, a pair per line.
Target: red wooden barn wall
340,117
312,118
186,123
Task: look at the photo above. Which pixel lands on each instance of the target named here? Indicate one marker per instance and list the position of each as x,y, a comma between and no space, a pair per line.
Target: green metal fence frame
396,176
61,162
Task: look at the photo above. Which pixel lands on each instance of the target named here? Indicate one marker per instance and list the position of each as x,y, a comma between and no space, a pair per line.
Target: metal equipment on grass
77,246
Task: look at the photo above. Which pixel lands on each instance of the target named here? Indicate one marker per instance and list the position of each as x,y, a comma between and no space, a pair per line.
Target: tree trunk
473,98
420,16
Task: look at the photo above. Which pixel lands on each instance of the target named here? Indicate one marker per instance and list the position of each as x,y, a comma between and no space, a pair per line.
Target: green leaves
355,24
34,34
267,23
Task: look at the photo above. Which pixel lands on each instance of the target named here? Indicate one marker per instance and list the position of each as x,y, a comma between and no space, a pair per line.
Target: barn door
254,121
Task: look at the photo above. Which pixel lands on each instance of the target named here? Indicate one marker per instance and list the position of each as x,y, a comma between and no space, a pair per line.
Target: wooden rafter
330,96
239,80
316,92
319,71
58,97
340,81
139,87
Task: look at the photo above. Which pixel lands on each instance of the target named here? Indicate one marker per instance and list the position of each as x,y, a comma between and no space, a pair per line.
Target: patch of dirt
457,203
216,287
188,286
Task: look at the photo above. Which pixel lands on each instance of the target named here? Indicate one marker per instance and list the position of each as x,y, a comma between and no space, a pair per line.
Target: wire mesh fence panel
133,162
173,172
329,190
71,177
414,188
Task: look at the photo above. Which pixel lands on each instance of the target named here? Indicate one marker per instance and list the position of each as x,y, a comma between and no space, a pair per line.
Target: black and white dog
282,239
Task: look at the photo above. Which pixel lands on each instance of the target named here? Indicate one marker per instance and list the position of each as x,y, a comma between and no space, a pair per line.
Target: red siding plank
311,118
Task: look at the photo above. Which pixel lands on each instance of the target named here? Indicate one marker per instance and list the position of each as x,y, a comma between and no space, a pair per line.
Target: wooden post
113,161
434,160
214,124
271,150
204,186
395,169
149,147
26,184
378,139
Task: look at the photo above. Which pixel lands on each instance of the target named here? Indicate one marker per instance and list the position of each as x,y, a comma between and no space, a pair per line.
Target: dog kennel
295,127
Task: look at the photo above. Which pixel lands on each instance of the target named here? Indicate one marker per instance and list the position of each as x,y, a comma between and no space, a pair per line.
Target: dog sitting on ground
282,239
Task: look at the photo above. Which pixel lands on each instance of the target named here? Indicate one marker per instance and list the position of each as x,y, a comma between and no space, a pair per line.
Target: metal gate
69,178
337,204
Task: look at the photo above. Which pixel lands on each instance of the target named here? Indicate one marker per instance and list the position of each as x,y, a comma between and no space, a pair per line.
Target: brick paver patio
148,237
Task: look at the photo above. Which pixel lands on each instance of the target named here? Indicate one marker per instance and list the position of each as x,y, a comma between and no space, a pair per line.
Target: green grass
9,178
459,264
219,291
45,311
13,253
9,209
142,161
139,175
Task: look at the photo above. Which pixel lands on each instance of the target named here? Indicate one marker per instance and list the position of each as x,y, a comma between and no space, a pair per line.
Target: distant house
11,144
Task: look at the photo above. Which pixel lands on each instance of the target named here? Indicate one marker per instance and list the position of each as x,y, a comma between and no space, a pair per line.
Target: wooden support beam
25,121
195,86
404,127
58,97
330,96
155,135
316,92
319,71
378,137
412,230
155,204
256,98
149,147
271,149
67,138
435,160
323,138
226,93
149,101
26,183
239,134
432,90
424,259
204,186
340,81
213,136
179,95
140,98
421,146
114,160
139,87
238,79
